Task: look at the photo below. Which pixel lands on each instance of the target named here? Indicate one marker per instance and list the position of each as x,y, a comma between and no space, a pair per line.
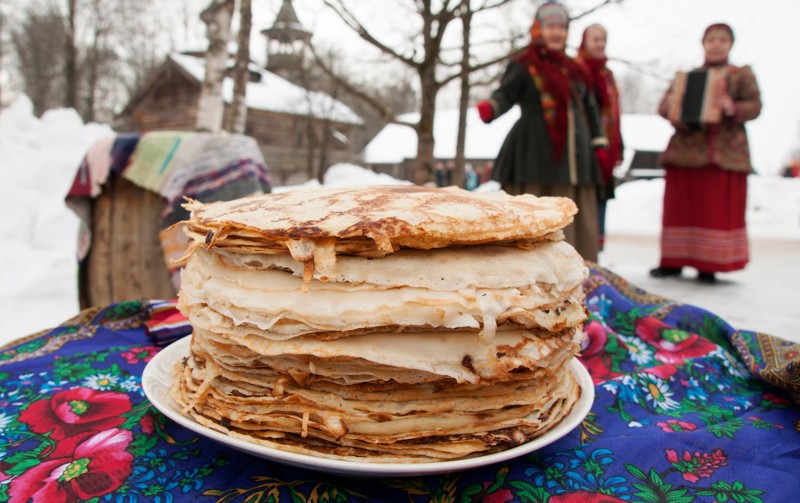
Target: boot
665,272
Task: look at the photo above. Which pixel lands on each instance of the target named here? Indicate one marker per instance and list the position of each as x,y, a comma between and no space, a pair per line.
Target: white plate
158,376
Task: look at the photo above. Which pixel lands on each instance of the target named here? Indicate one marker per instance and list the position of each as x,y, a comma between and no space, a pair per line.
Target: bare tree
71,59
99,67
375,103
2,50
321,98
463,102
210,106
84,54
241,73
39,47
425,60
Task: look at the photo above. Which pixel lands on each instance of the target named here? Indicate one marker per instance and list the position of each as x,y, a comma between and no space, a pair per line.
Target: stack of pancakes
381,324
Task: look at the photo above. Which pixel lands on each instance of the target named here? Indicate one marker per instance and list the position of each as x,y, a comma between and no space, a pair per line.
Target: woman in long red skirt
707,164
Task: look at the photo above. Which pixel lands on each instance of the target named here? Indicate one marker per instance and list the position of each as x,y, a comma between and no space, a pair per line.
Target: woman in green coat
557,147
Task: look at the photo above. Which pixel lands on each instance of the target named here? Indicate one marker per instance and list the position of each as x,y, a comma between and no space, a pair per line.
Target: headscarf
553,72
594,67
718,27
602,82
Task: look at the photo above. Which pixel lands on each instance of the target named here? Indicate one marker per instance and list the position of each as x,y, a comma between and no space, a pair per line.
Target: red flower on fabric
777,400
673,345
662,371
147,423
500,496
674,425
697,465
583,497
593,354
96,467
138,355
75,411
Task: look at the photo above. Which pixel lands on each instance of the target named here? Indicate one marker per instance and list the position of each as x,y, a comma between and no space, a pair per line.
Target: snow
649,132
275,93
39,158
397,142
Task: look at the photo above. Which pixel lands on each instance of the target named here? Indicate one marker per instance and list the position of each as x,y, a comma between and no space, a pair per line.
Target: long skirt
703,224
583,232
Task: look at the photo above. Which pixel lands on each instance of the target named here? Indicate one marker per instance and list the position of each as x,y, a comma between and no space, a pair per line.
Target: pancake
315,226
380,421
455,288
381,324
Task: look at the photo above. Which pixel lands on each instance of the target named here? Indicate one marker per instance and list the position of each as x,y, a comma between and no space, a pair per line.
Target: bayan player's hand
726,105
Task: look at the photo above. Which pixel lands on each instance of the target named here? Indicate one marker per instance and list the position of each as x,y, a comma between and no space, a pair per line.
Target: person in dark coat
555,146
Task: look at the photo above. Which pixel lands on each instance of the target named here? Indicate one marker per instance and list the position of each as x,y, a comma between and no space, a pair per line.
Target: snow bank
38,160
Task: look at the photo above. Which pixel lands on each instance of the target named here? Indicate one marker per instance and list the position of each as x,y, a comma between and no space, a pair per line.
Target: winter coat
722,145
526,156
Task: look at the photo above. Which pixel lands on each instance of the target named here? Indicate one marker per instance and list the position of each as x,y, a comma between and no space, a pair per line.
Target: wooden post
125,261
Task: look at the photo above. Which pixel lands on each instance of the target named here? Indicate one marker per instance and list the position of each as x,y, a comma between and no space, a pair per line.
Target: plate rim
155,385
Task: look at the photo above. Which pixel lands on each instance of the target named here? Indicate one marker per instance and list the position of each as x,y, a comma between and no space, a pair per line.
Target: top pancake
389,216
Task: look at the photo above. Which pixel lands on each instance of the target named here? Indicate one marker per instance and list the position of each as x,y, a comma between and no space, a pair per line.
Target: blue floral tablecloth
687,409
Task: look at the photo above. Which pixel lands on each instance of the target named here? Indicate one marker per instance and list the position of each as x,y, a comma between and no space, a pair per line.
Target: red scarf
553,72
602,82
715,64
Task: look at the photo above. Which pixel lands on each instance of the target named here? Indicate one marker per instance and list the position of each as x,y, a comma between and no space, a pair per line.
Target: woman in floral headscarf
705,192
592,55
554,148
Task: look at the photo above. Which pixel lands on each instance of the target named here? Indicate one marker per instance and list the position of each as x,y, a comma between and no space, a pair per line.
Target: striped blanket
174,164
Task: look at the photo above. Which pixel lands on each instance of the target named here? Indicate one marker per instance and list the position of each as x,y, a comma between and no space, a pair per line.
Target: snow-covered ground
38,284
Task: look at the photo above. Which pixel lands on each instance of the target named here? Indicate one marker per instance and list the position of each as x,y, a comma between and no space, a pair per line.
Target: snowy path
763,297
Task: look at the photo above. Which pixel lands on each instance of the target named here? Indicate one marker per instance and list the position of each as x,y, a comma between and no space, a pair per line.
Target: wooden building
301,132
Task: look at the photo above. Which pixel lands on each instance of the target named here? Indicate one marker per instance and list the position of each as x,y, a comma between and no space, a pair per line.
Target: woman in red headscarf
553,148
705,192
592,55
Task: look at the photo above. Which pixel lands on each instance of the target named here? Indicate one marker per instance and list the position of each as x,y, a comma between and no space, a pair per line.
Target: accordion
695,97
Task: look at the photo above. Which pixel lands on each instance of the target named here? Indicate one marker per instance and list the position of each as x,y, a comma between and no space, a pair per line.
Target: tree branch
354,24
490,4
479,66
595,8
374,102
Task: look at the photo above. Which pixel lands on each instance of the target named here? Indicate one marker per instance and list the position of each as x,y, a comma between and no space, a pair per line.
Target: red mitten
486,111
605,163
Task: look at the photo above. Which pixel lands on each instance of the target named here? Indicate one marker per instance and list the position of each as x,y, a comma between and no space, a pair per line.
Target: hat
549,13
718,27
552,13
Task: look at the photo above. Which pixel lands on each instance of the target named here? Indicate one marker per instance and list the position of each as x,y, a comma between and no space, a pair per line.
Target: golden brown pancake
381,324
316,225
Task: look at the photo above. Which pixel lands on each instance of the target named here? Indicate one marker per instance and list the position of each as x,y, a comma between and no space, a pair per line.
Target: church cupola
286,43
